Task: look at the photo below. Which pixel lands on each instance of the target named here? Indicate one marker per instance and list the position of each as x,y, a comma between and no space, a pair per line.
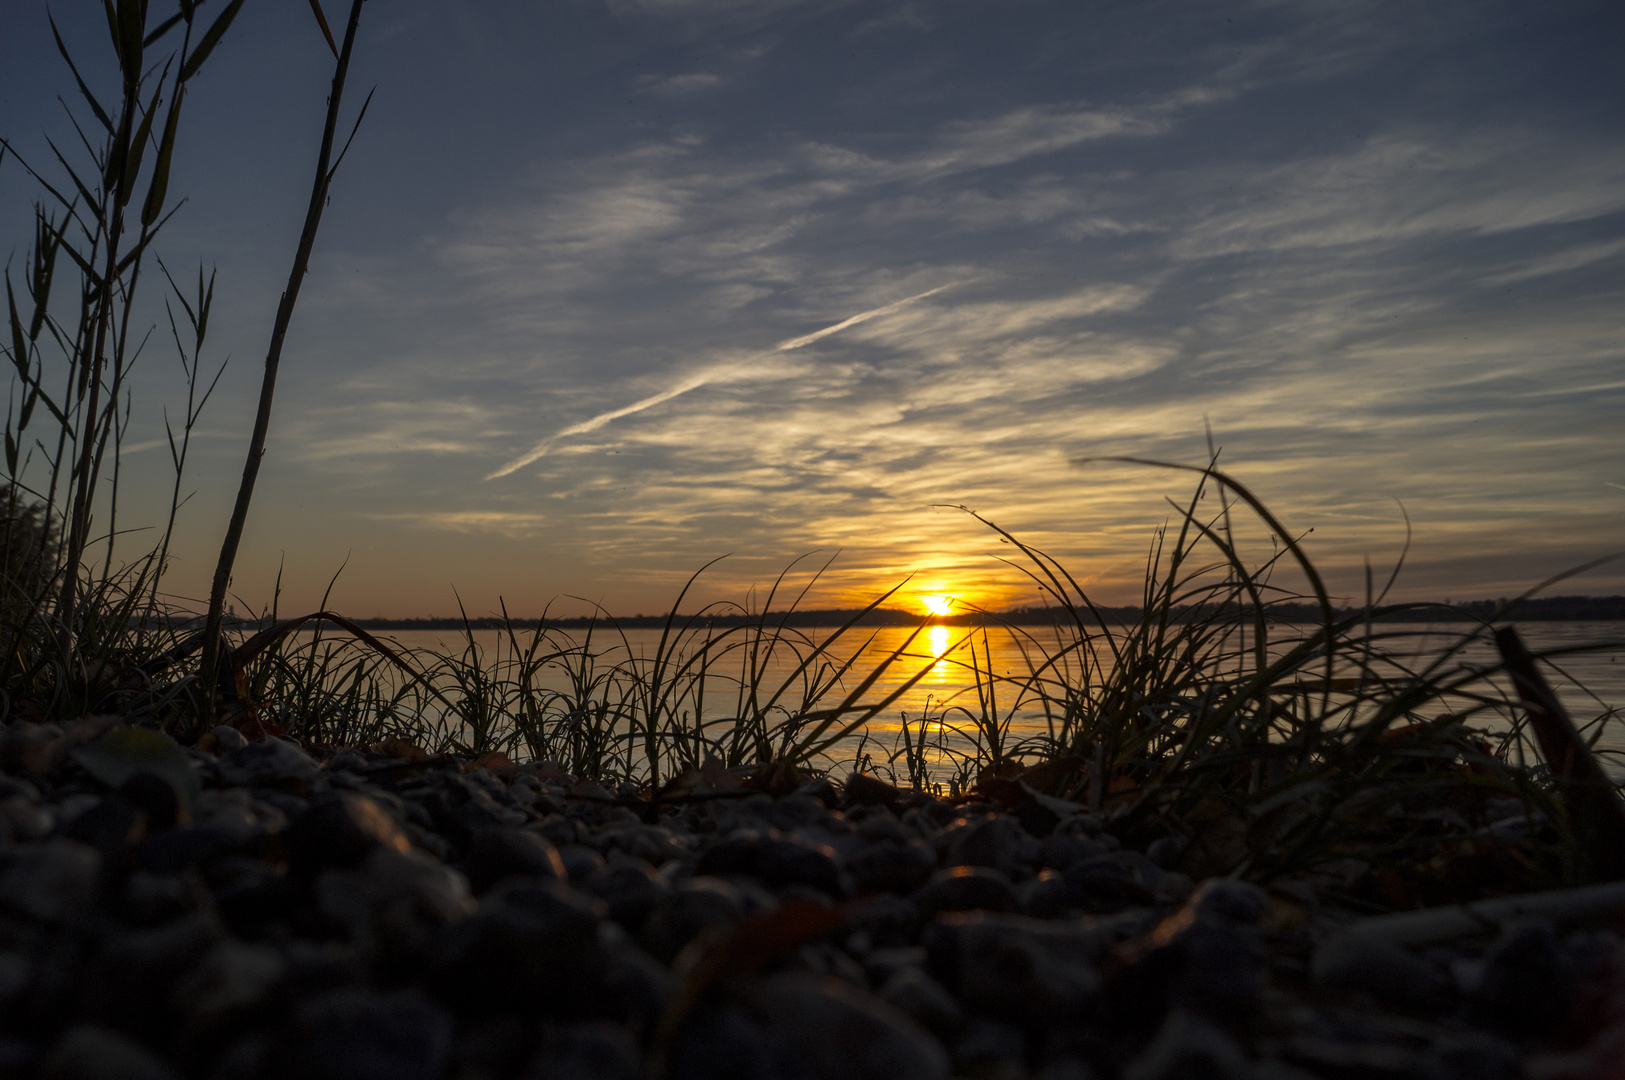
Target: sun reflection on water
937,639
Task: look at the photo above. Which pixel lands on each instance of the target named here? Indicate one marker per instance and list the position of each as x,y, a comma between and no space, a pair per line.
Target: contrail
697,381
798,342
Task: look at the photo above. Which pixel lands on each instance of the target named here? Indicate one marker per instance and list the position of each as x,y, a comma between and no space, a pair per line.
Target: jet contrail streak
599,421
697,381
798,342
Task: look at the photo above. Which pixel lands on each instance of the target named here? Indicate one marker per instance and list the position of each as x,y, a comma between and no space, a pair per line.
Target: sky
609,289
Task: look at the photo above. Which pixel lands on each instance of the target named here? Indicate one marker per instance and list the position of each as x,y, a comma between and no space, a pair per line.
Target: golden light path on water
948,664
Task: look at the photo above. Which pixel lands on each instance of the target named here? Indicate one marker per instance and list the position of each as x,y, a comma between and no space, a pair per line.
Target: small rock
1060,851
53,881
356,1035
1026,971
1384,971
589,1050
631,889
924,1000
339,830
1529,981
503,852
774,860
989,1050
580,862
1105,884
1045,896
693,906
533,944
821,1028
269,763
227,986
891,866
1188,1047
1239,902
21,819
25,747
861,789
172,850
966,888
89,1052
633,988
394,905
992,840
227,739
132,982
16,973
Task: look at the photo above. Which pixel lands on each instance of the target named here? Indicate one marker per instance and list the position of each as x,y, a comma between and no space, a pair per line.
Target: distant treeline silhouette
1540,609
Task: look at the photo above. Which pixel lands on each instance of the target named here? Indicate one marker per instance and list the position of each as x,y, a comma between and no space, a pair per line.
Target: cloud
678,85
1337,303
696,381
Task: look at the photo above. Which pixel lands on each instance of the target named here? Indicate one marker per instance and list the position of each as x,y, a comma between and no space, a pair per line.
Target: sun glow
938,605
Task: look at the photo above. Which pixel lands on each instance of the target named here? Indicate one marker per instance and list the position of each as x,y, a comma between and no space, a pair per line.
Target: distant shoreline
1545,609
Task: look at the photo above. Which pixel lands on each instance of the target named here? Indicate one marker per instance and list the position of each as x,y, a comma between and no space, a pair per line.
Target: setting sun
938,605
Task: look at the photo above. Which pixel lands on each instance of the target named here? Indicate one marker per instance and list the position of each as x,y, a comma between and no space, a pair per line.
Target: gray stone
891,866
631,888
89,1052
504,852
356,1035
820,1028
386,877
53,881
924,1000
1027,971
774,860
966,888
533,944
227,739
1188,1047
269,763
695,905
588,1050
996,841
231,983
339,830
989,1050
133,981
1382,970
1529,981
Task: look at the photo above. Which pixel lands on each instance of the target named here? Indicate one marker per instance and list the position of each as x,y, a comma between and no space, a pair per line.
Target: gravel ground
269,914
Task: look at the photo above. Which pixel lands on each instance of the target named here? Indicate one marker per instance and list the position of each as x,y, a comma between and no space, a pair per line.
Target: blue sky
563,330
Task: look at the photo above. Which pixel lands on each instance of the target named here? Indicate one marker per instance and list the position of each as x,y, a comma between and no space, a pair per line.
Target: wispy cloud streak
694,382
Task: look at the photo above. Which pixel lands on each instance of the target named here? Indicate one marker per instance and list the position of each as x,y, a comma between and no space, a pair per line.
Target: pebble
90,1052
774,860
821,1028
587,1050
362,1035
330,914
966,888
340,829
52,881
1030,972
1384,971
1528,983
1188,1047
269,763
504,852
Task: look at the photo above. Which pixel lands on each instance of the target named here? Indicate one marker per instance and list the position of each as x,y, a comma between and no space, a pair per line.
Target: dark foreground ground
252,912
